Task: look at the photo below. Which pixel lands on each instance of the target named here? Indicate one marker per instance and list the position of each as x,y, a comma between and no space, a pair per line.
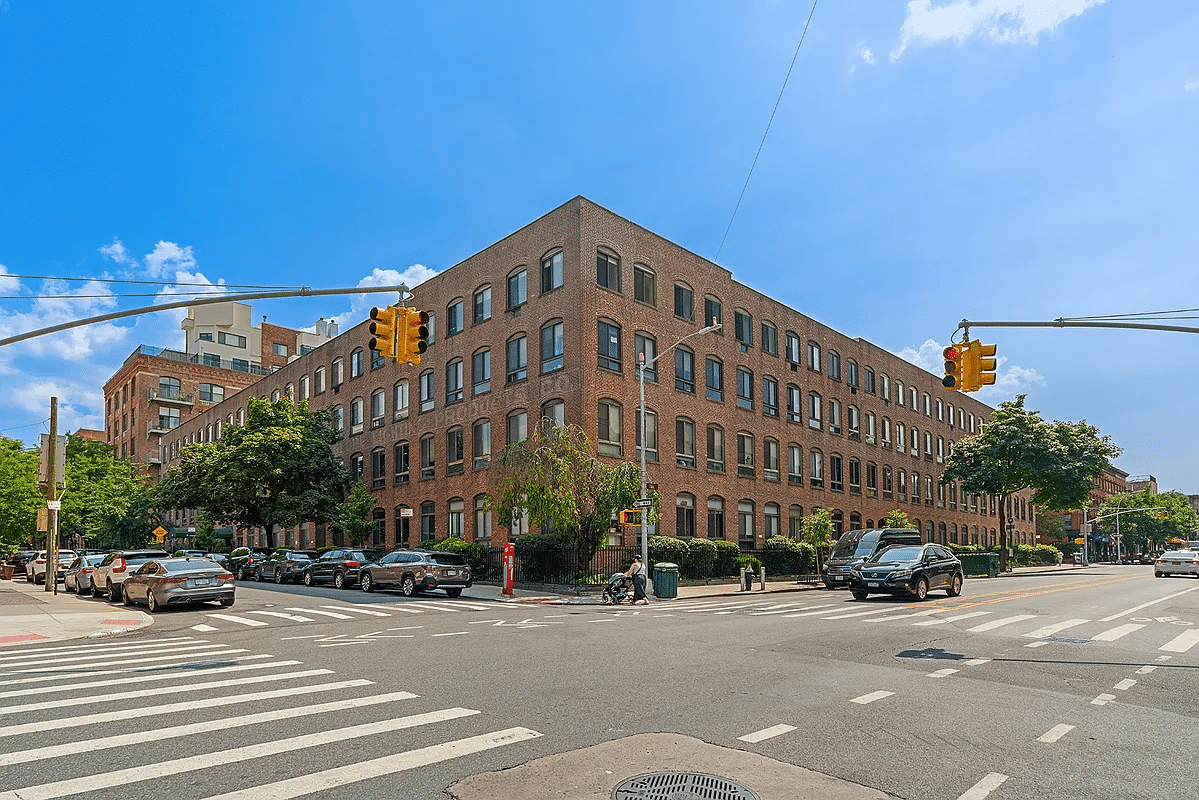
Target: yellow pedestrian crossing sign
160,534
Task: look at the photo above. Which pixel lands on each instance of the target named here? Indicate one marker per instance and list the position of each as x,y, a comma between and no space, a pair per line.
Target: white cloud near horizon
1009,380
411,277
1003,21
1192,86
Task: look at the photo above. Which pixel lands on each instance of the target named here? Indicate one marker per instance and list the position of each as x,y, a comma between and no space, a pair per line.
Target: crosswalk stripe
99,656
928,612
720,607
212,649
955,618
1056,732
123,777
292,617
357,610
811,610
333,614
783,608
107,647
139,679
1049,630
376,767
204,628
407,610
1115,633
223,657
1182,642
999,623
253,623
860,613
117,714
177,731
160,690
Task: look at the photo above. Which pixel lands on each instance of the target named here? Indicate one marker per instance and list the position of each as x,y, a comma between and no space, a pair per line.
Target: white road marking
253,623
810,611
1040,643
1146,605
869,613
999,623
870,698
357,610
1181,643
117,714
1115,633
341,644
455,633
223,658
1145,670
177,731
991,782
123,777
1125,684
954,618
204,628
280,614
105,649
386,765
601,620
140,679
766,733
67,702
718,607
333,614
294,638
1049,630
975,662
1103,699
1053,734
104,658
942,673
928,612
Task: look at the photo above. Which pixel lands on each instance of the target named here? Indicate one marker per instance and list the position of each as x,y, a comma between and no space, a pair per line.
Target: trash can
992,565
6,572
666,580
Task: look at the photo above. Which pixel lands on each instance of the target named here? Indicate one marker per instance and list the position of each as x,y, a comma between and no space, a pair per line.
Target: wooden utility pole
52,503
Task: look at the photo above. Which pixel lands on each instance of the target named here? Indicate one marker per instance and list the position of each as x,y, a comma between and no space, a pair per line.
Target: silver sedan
172,581
1177,562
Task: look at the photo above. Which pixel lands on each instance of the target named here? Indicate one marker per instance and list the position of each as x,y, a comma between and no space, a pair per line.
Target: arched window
551,271
356,362
747,535
378,409
645,287
609,429
684,503
715,526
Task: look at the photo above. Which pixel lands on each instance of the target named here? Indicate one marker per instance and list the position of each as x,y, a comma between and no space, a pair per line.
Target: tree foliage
101,490
353,517
19,495
897,518
1147,530
276,470
818,531
1018,450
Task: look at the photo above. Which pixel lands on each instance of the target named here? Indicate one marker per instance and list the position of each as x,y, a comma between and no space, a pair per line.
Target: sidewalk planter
6,572
666,580
980,565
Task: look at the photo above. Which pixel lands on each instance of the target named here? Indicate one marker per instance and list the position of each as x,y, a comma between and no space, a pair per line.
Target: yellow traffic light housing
629,517
383,329
414,335
987,363
953,367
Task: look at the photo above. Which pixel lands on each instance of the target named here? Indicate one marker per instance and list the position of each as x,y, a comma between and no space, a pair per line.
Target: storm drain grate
680,786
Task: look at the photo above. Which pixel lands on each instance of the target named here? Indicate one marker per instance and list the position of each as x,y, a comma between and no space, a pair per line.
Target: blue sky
929,161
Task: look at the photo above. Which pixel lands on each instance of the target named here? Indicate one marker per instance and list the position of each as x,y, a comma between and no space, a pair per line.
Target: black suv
339,565
907,570
856,546
417,570
284,566
243,562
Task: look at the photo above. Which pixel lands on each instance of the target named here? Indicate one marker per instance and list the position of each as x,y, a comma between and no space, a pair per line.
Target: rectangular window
212,360
427,464
480,372
871,480
607,270
743,328
400,453
713,312
518,359
518,290
453,318
518,427
240,365
205,337
552,347
684,443
770,460
816,469
379,469
609,346
651,436
454,519
609,429
644,290
834,417
715,518
279,350
647,353
834,365
453,382
426,392
318,381
212,393
481,444
482,520
684,302
770,339
453,451
813,356
684,370
814,411
715,449
795,465
745,455
792,351
399,403
835,478
745,388
794,404
770,397
551,272
377,408
482,305
230,339
684,517
714,372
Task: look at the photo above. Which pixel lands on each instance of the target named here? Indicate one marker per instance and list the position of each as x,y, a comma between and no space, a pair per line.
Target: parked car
78,577
854,547
908,569
112,570
284,566
173,581
1177,562
243,562
35,568
19,559
417,571
339,566
220,558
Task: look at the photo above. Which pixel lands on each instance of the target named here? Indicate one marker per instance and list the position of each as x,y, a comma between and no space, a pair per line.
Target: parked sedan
284,566
174,581
35,568
339,566
78,577
112,570
907,570
1176,562
417,570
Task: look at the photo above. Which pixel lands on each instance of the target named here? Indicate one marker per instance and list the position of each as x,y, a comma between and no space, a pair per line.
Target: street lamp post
641,365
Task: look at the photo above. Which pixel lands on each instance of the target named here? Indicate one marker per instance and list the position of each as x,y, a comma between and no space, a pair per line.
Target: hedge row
699,559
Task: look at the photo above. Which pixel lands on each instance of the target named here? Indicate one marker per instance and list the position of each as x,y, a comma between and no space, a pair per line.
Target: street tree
352,518
19,495
1017,450
553,480
276,470
100,488
1166,516
818,532
897,519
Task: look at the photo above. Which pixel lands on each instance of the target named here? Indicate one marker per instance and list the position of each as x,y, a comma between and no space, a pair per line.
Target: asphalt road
1074,685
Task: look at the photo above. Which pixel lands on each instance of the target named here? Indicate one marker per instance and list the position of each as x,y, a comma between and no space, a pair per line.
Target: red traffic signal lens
950,353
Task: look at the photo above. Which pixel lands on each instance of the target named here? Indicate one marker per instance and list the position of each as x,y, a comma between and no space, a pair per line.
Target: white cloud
117,252
9,284
867,56
997,20
1192,86
1009,380
169,256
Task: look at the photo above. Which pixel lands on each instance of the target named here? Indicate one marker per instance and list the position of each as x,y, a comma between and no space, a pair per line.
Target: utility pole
52,503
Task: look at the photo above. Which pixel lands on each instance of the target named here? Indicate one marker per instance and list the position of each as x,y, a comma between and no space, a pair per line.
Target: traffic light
383,331
986,361
630,517
953,367
414,335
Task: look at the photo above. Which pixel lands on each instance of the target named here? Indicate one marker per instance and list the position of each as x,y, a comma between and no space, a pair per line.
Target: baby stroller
619,589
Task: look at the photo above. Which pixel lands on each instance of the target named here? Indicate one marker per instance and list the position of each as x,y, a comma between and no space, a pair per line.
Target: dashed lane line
1181,643
766,733
1056,732
989,783
871,697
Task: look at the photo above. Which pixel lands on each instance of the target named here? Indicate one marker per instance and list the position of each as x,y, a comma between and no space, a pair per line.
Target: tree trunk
1003,559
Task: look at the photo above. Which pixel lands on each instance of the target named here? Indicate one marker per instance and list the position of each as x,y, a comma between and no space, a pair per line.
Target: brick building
747,428
1112,481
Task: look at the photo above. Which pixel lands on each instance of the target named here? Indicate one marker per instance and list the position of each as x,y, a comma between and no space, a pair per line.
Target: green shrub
726,558
781,556
807,558
666,548
749,562
700,559
177,554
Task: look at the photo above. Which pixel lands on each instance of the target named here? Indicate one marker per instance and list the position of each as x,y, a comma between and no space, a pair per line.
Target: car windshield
856,545
299,556
896,554
1179,554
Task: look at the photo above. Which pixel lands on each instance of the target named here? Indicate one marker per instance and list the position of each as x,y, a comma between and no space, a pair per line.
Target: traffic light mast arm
1069,323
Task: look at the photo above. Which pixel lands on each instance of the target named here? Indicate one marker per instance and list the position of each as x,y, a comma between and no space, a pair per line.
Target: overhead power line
152,283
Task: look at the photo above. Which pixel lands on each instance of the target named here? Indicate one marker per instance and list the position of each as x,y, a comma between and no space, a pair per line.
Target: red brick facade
758,494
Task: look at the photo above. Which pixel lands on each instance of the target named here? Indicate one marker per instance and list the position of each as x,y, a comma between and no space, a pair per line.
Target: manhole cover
680,786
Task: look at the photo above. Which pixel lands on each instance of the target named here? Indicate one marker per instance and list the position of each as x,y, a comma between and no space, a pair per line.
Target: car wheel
279,576
96,590
955,586
921,590
339,580
453,592
1157,574
241,573
151,603
114,593
859,595
126,599
228,601
308,579
366,582
408,586
258,575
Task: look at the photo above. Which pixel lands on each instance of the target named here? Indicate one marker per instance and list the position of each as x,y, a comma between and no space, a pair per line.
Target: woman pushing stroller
637,572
